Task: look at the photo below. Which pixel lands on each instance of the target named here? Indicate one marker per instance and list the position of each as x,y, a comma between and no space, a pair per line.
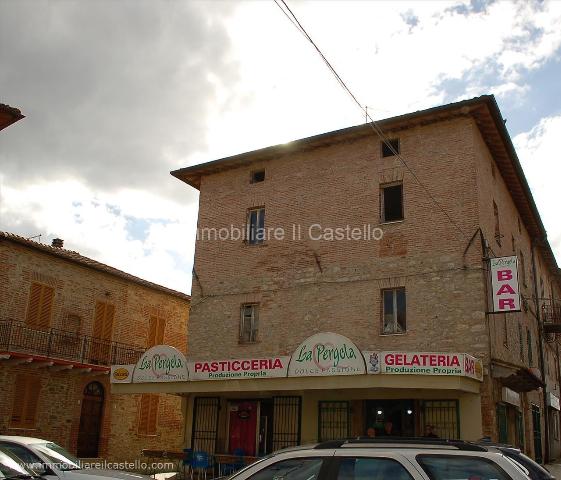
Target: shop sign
504,283
553,401
423,363
122,373
510,396
326,354
239,369
161,363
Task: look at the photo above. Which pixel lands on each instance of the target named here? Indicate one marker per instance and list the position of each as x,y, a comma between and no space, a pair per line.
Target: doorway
537,431
391,417
91,417
242,427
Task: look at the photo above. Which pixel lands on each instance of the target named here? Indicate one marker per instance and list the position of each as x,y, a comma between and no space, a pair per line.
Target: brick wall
77,289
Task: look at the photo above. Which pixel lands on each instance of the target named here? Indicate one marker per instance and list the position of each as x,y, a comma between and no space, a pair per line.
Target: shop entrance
390,417
242,427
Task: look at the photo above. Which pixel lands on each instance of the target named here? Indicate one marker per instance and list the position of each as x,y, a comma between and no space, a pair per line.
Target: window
521,341
156,331
72,323
389,147
21,452
334,420
530,352
497,224
391,200
256,226
103,320
257,176
249,323
291,469
40,305
148,414
393,310
448,467
522,269
372,469
26,399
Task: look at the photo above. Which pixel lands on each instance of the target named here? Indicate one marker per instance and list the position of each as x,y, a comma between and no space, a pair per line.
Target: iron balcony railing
54,343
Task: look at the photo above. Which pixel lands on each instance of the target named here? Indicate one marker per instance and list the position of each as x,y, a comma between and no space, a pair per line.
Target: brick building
64,318
415,302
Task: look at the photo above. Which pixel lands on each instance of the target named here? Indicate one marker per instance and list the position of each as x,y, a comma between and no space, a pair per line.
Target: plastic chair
238,463
200,463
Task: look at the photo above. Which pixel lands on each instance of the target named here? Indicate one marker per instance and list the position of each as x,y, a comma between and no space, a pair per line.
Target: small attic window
386,150
257,176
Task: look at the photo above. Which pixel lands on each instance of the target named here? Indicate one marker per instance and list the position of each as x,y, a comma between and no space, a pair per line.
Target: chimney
57,242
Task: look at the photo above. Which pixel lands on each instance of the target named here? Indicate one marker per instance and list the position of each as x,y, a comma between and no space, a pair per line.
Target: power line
294,20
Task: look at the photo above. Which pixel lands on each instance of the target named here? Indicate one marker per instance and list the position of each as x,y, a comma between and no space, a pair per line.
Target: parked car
12,467
536,471
52,461
386,459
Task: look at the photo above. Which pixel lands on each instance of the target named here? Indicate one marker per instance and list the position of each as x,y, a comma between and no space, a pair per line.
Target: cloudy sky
118,93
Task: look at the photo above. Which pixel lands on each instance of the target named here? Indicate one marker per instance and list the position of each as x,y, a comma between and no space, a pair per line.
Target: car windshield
58,457
10,466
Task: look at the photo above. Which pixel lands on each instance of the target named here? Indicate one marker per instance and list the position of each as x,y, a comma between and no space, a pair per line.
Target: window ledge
392,334
248,343
392,222
22,428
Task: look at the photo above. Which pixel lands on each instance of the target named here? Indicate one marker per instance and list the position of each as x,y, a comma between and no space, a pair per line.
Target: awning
518,379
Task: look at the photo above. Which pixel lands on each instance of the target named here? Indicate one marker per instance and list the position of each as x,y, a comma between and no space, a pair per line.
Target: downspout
542,359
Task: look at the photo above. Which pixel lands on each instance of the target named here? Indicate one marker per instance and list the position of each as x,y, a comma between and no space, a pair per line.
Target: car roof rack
404,442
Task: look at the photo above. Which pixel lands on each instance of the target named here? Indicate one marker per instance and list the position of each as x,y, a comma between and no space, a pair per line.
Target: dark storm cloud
115,93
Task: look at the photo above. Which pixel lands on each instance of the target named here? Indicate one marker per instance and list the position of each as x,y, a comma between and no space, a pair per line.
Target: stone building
323,260
64,318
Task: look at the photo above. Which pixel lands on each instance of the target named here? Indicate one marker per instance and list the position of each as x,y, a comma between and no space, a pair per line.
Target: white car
386,459
53,462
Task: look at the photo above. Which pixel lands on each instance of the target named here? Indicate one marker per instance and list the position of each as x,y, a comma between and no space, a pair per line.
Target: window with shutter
40,305
148,414
103,321
26,400
156,331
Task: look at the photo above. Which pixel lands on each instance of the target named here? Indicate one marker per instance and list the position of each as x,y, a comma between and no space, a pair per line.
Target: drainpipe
542,359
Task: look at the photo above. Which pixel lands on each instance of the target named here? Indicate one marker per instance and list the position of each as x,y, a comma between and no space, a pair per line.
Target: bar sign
504,283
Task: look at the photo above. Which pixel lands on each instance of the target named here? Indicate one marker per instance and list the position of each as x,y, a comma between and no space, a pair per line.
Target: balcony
551,316
19,338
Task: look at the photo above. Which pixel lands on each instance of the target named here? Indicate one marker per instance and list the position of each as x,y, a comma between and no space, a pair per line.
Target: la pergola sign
323,354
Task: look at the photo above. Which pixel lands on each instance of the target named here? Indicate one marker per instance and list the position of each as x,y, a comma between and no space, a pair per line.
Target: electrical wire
294,20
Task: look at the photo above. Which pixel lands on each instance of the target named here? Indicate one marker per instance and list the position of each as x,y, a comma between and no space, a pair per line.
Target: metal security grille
333,420
205,423
443,415
286,422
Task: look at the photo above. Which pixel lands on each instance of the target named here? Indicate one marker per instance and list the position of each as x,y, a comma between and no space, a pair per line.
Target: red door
243,427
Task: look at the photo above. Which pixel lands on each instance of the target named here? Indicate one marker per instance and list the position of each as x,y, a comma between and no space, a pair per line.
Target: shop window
249,322
148,414
390,147
391,201
502,423
372,468
156,331
291,469
286,421
442,416
257,176
333,421
256,226
393,311
519,430
40,305
26,400
205,424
